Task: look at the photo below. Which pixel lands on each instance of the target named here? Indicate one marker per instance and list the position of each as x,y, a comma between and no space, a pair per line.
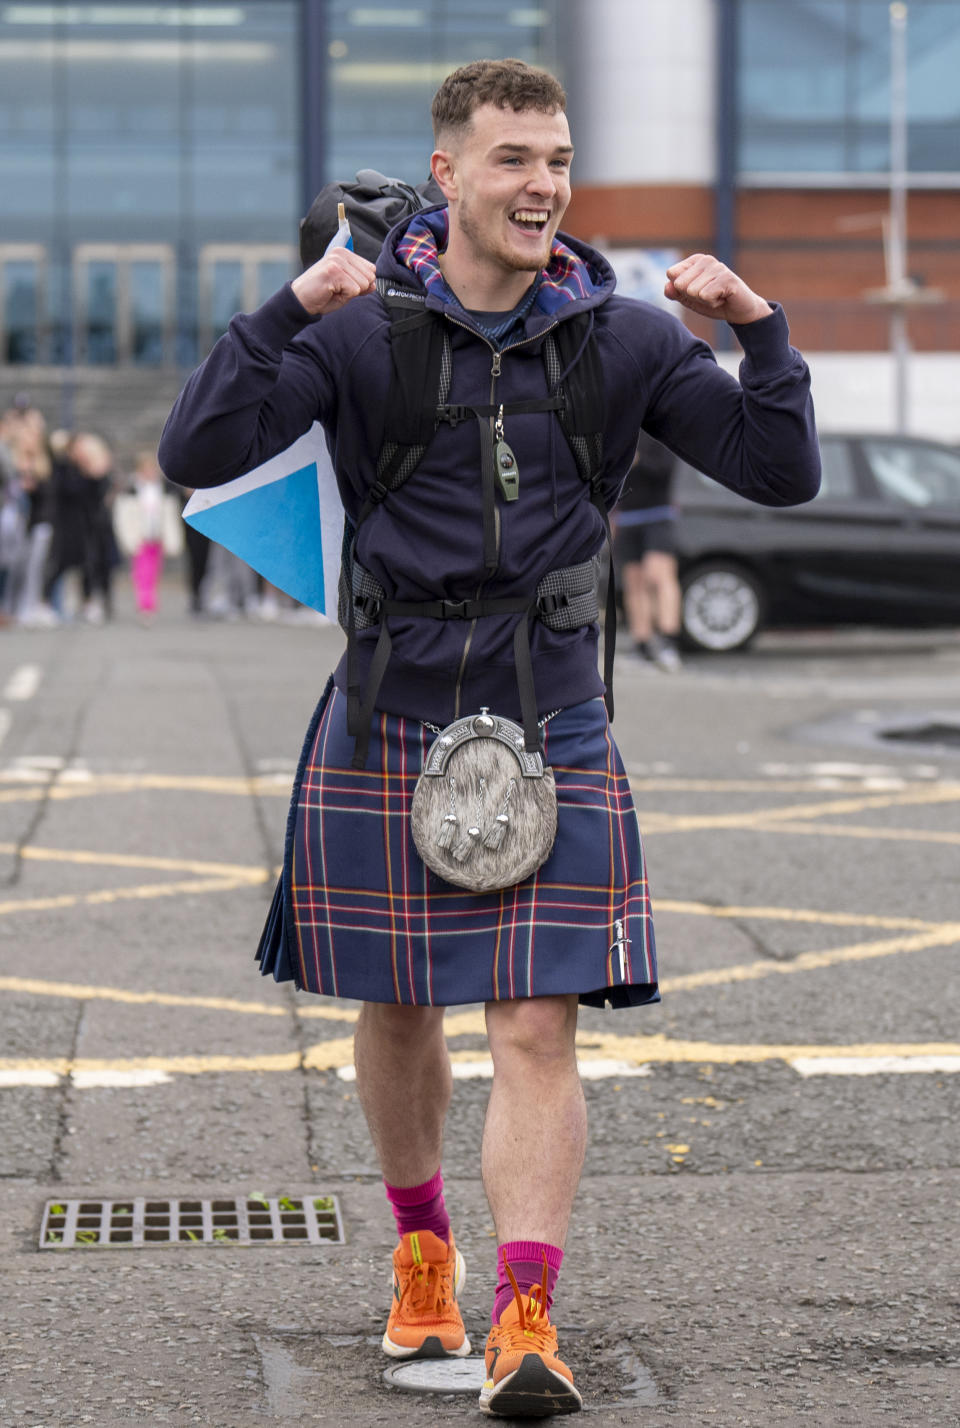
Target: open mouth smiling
530,220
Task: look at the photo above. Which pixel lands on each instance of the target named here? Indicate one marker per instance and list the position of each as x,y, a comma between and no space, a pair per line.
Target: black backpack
373,204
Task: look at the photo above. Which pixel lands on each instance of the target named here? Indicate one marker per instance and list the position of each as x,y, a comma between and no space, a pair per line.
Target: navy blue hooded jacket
277,370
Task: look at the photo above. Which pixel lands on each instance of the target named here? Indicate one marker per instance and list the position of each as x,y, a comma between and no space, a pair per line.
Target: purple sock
420,1207
525,1258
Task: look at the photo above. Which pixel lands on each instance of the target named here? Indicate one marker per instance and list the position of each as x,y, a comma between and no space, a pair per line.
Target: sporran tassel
497,832
449,830
465,848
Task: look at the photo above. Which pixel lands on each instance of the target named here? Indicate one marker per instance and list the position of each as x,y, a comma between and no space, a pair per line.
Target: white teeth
529,215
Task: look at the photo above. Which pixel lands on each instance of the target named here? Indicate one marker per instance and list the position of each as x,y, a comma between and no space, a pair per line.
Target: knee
399,1025
541,1029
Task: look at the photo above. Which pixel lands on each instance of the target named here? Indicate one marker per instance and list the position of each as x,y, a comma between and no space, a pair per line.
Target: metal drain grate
137,1223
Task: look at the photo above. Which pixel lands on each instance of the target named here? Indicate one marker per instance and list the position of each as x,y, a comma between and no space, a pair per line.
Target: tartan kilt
357,914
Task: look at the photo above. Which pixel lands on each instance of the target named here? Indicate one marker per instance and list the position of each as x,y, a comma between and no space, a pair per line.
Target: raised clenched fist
331,283
706,286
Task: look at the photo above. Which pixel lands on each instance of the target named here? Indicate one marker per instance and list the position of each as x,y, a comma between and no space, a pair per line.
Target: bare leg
535,1133
636,601
404,1083
659,570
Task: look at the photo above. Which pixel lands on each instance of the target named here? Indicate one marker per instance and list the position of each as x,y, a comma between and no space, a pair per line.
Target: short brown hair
508,83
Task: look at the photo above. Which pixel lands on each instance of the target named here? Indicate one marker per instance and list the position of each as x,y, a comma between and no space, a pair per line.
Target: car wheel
722,607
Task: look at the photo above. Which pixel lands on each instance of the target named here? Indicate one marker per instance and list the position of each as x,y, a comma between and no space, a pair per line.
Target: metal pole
897,244
724,201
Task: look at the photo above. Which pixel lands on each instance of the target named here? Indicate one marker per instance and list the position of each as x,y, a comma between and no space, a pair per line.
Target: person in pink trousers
146,565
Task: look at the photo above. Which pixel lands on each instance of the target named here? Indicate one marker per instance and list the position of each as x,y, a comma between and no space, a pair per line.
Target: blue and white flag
284,519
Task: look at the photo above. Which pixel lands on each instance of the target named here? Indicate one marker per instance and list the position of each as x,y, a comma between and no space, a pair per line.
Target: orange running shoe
424,1318
525,1378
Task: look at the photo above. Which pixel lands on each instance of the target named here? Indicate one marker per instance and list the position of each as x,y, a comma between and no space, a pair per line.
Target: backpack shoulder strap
572,363
573,366
422,366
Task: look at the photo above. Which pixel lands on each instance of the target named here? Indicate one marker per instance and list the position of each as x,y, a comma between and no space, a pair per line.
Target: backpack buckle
550,604
453,415
453,609
367,605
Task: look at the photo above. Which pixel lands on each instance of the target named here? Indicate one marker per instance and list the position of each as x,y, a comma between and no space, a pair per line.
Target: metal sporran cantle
484,811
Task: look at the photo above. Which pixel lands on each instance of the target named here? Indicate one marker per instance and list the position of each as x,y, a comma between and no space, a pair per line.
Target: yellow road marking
790,914
942,936
633,1050
77,991
770,819
853,830
31,853
145,891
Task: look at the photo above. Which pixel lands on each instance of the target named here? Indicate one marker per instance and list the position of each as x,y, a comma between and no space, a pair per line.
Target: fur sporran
484,811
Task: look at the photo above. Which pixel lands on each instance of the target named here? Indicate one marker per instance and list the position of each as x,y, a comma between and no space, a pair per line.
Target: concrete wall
854,391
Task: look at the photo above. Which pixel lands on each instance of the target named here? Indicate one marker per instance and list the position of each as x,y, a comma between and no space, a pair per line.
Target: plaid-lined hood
577,276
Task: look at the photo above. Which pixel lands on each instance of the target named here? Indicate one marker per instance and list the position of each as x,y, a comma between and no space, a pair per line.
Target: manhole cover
438,1375
139,1222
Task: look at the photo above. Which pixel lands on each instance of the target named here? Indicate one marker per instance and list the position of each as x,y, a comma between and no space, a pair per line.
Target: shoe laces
429,1288
533,1322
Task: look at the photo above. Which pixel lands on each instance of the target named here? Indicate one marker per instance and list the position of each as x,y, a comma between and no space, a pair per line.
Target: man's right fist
339,276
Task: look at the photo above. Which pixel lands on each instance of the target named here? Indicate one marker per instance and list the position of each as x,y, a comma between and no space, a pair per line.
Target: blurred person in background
35,464
147,542
94,459
645,555
82,531
22,433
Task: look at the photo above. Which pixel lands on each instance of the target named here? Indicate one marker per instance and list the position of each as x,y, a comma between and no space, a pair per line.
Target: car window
837,480
913,474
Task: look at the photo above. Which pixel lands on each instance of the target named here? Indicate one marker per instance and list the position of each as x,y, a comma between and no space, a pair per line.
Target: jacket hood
576,278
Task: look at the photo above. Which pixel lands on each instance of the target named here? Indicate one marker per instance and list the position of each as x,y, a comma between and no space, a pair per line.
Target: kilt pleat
357,914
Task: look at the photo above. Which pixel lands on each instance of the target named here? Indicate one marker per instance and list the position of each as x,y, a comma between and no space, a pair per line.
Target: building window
238,277
814,88
136,125
21,282
386,62
123,304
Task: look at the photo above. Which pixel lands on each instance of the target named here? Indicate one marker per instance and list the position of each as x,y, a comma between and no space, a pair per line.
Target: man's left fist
705,285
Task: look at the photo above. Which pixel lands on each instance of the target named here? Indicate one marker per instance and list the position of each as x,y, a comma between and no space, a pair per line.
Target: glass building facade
813,90
155,159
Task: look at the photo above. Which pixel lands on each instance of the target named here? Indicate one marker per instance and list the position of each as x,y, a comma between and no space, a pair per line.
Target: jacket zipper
495,368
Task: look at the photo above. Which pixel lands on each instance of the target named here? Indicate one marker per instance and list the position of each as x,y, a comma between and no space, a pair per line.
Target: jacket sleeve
756,436
262,386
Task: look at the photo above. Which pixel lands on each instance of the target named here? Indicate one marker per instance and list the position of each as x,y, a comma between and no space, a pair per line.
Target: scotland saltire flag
284,519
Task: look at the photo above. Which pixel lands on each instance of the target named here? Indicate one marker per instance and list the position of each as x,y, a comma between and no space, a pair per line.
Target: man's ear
443,168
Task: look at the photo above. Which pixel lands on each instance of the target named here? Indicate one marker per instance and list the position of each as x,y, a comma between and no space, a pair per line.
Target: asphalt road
767,1229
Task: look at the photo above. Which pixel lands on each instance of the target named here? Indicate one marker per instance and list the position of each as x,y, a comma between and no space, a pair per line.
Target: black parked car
880,545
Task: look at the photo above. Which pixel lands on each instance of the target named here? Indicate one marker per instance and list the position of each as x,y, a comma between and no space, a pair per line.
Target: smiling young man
527,318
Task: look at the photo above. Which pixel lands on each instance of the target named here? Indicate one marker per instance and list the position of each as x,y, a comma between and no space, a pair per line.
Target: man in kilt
357,913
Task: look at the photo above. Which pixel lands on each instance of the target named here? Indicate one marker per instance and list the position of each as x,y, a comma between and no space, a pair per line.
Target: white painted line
88,1080
603,1068
874,1065
29,1078
23,683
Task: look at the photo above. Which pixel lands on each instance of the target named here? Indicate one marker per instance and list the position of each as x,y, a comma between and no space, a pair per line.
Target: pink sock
525,1258
420,1207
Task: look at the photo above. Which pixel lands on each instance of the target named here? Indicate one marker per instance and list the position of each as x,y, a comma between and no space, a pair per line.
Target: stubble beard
508,258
